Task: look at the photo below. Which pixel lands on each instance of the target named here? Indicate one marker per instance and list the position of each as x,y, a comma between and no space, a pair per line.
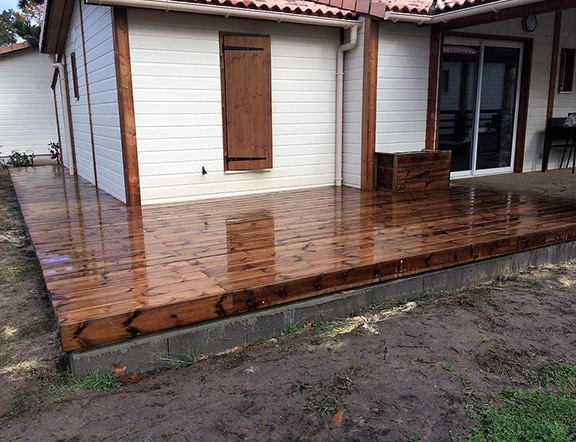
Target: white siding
104,99
177,99
352,136
27,115
79,107
403,59
105,129
540,77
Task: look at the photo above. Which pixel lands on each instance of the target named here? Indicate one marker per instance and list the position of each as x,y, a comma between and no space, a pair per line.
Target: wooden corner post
126,106
433,77
369,103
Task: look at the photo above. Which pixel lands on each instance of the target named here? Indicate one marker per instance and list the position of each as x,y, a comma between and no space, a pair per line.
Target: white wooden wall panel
104,99
540,77
403,59
352,136
79,107
177,99
27,115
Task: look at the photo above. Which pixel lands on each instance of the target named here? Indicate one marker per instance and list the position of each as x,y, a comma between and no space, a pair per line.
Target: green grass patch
65,386
546,412
310,326
326,397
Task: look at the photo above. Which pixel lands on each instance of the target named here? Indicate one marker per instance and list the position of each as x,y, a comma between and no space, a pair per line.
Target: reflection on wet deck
116,272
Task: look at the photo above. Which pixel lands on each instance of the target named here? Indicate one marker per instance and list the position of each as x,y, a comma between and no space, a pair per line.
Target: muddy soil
408,372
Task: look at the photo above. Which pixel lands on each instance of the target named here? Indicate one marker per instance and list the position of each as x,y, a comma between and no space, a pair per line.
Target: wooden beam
126,106
433,78
526,70
543,7
554,65
369,104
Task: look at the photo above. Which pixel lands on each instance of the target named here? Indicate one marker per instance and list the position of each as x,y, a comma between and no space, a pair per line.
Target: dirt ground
409,372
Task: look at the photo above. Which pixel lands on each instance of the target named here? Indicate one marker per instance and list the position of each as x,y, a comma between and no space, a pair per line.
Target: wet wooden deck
114,272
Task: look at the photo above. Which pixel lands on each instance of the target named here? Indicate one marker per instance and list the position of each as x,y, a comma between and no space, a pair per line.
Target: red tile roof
303,7
378,8
14,47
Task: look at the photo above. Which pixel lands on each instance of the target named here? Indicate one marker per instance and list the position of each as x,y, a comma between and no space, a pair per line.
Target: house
27,122
165,101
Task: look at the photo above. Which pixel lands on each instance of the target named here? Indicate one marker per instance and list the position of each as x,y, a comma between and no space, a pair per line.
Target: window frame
566,70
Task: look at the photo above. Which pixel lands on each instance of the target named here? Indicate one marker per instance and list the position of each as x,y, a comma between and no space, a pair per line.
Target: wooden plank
554,65
432,120
247,101
369,102
126,106
115,272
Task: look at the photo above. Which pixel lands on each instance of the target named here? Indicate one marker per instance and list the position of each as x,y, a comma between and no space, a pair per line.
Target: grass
544,412
327,397
64,386
308,326
184,360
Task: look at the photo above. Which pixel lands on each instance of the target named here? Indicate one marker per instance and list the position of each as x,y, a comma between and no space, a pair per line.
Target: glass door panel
497,114
458,103
478,102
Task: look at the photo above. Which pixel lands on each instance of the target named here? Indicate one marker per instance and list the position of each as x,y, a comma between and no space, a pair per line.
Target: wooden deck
114,272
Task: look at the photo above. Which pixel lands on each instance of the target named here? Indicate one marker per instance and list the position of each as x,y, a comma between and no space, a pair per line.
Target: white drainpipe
279,17
65,112
340,100
445,17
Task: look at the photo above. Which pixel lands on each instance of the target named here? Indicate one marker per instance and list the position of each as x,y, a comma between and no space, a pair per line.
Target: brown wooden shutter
247,101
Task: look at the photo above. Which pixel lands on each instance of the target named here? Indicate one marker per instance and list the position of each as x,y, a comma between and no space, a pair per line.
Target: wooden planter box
404,171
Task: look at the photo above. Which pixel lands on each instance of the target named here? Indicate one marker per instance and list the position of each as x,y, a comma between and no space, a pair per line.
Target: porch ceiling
115,272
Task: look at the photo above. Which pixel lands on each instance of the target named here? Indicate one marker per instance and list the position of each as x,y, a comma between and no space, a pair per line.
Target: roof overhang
10,49
55,25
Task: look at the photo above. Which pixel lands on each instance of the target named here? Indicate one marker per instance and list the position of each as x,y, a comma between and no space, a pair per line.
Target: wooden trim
526,72
482,36
57,123
126,105
433,78
554,65
74,70
369,104
69,110
88,101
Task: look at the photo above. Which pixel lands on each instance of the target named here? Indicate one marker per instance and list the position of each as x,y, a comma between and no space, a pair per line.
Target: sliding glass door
478,104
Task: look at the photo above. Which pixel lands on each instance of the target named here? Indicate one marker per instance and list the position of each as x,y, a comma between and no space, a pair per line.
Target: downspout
340,99
65,112
445,17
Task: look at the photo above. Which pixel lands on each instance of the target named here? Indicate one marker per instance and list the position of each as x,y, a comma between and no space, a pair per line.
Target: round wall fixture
529,23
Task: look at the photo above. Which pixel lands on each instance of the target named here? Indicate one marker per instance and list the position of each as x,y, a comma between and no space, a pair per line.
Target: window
75,76
566,78
247,98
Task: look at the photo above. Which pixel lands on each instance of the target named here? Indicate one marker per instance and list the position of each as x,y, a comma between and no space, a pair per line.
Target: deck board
115,272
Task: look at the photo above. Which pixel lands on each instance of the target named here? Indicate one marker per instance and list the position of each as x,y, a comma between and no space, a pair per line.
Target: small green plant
68,385
184,360
20,159
327,397
546,412
54,149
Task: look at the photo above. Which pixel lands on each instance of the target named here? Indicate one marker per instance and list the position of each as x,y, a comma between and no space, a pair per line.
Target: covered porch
117,272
